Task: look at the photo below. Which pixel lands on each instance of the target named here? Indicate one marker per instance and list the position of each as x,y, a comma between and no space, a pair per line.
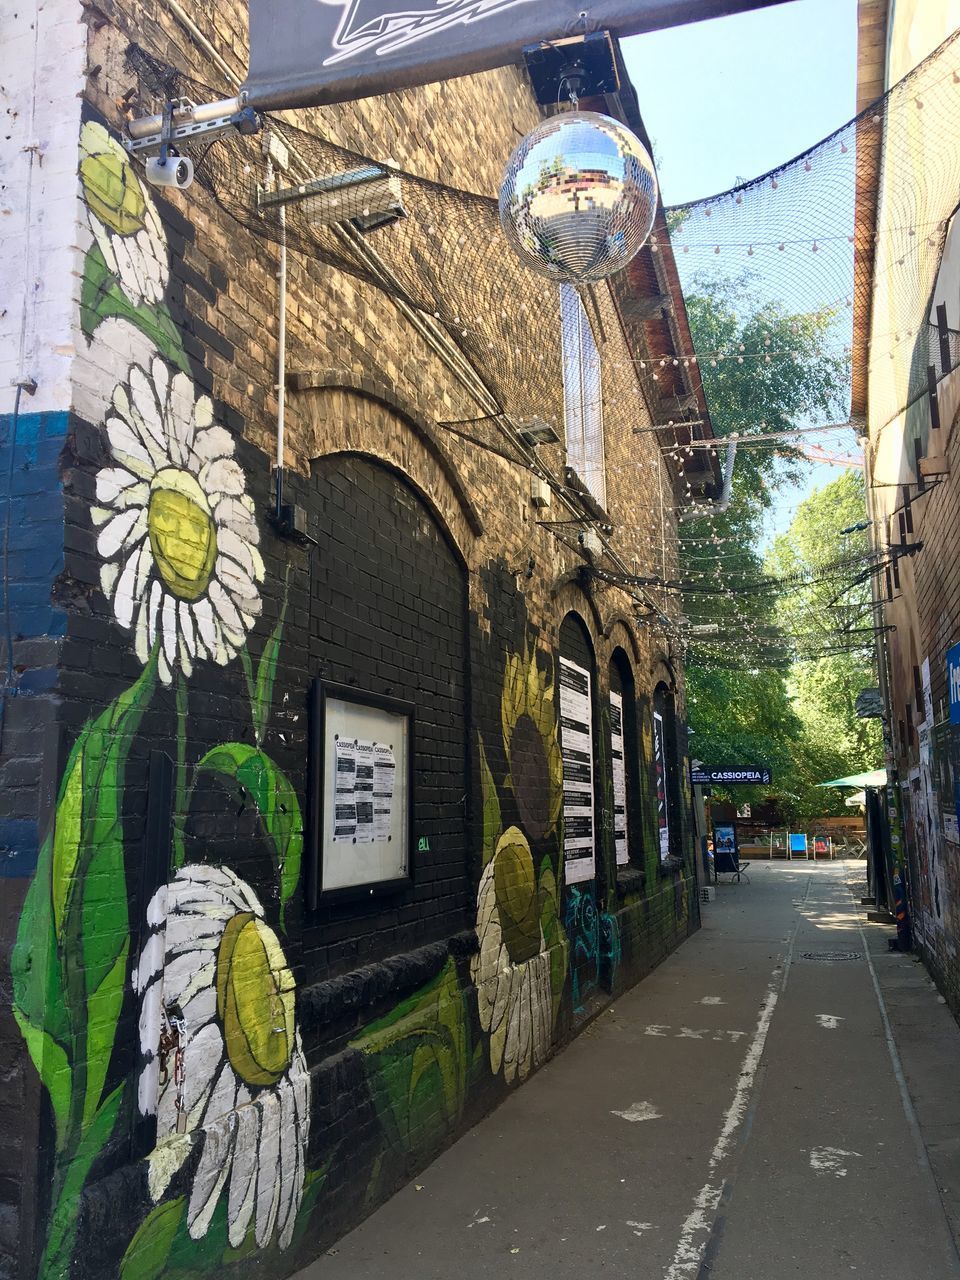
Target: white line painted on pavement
829,1020
920,1147
831,1160
639,1111
699,1222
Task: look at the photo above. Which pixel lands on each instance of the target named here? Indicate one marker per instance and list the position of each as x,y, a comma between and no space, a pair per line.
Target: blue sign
953,682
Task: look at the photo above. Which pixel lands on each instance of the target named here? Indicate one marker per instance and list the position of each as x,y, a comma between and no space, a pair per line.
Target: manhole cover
831,957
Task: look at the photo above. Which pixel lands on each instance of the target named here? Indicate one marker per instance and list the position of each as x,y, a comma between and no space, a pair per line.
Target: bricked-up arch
388,614
622,682
363,414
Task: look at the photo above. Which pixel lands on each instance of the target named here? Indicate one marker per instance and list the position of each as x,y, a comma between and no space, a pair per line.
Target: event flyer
384,783
576,743
619,778
344,801
364,790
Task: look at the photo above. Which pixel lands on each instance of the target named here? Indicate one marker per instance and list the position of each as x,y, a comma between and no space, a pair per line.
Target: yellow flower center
255,1000
113,192
517,900
183,537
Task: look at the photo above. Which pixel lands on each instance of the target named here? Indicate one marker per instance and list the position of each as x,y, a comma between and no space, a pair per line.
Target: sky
724,101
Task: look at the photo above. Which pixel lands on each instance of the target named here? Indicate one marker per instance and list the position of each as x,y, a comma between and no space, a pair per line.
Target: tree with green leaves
830,618
764,369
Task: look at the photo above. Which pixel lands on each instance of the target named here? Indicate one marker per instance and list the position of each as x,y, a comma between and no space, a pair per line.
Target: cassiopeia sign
732,776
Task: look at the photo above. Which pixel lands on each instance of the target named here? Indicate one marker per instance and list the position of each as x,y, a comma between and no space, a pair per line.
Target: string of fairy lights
786,250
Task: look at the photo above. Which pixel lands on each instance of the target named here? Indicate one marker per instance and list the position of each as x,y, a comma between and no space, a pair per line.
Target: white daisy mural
122,217
511,971
243,1086
177,531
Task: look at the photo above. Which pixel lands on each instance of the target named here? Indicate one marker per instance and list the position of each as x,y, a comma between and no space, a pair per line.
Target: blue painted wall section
31,547
33,493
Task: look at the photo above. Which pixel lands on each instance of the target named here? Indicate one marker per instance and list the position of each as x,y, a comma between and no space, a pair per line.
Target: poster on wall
927,824
725,848
660,768
362,750
916,842
927,691
619,771
576,745
946,752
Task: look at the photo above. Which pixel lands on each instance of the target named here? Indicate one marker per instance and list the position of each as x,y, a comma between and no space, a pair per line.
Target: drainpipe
281,355
719,507
896,871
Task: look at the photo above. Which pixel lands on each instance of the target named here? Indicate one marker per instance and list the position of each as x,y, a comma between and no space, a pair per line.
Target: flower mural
530,743
122,217
243,1082
178,534
512,968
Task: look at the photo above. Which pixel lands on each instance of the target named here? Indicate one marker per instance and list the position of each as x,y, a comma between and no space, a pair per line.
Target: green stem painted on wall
180,796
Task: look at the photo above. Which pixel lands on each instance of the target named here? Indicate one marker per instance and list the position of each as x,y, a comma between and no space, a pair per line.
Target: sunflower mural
531,744
182,574
178,537
520,968
242,1085
122,217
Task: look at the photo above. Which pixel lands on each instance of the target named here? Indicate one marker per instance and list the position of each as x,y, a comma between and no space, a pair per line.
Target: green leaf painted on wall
103,1012
418,1061
69,960
266,675
276,803
491,807
147,1253
312,1186
50,1060
102,297
96,925
66,841
62,1234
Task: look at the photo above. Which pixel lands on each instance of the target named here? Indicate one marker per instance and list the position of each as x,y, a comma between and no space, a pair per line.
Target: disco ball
578,197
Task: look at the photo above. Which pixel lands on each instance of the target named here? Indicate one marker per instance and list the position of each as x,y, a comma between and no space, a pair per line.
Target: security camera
175,171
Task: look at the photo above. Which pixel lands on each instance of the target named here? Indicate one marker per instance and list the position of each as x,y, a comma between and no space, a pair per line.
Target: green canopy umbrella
874,778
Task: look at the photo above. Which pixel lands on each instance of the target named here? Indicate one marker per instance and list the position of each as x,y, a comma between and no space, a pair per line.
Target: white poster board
660,767
619,771
365,805
576,746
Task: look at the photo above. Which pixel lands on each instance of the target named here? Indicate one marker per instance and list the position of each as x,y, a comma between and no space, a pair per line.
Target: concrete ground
778,1099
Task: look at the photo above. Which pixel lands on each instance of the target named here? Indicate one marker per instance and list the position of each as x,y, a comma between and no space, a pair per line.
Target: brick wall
357,1039
925,610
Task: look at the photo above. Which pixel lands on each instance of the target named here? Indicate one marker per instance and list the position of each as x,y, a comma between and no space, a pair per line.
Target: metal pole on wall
896,868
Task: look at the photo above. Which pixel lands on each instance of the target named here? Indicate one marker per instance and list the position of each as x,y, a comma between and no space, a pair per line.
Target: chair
729,862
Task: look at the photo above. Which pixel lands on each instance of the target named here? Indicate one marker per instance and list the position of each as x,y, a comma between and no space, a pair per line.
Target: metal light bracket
182,122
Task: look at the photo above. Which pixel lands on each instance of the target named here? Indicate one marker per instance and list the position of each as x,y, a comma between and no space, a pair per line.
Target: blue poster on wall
725,853
953,682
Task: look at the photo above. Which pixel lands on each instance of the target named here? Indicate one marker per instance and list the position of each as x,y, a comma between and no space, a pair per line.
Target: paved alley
777,1099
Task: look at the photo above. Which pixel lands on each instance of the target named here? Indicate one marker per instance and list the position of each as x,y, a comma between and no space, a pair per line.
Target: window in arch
660,770
576,679
624,755
665,769
582,394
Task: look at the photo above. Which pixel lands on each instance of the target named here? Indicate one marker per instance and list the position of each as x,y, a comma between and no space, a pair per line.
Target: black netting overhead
783,277
802,239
